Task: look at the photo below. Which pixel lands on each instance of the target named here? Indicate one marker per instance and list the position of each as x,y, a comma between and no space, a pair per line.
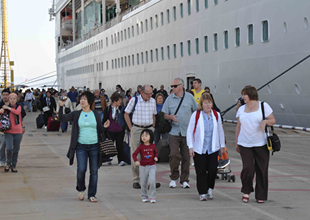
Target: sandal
14,170
7,168
260,201
93,199
245,199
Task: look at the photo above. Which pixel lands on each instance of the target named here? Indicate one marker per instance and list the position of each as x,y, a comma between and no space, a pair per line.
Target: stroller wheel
233,178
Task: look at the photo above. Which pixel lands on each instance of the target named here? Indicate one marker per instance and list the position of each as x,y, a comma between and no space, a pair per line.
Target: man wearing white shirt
28,99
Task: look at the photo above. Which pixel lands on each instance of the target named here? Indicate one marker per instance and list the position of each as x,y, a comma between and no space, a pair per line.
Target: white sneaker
45,127
209,195
203,197
173,184
185,185
122,163
145,200
152,200
192,164
81,195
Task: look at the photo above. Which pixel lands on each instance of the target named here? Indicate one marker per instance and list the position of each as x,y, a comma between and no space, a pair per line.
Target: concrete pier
44,187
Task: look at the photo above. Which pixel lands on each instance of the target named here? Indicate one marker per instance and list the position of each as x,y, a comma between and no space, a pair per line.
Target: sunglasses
175,86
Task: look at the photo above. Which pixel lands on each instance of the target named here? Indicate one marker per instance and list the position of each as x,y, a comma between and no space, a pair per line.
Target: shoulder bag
107,148
273,141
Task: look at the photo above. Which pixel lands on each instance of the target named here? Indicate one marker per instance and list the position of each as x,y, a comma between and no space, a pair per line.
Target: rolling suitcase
40,121
127,155
53,123
34,108
163,150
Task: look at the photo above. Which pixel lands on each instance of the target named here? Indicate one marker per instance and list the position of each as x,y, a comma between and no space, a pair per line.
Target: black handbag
67,110
273,141
107,148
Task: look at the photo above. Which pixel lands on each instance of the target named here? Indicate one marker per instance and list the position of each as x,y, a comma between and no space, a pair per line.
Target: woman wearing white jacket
66,110
205,140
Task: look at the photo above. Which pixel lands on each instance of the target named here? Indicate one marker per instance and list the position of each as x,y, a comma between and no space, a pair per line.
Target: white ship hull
225,71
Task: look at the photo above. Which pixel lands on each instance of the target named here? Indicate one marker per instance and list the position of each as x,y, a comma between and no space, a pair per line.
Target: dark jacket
74,117
52,105
106,113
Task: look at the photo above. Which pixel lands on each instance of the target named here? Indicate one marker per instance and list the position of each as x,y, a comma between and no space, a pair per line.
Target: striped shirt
144,111
98,106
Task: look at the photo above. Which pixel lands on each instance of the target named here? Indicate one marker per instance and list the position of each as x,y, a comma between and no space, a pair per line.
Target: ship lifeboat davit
67,23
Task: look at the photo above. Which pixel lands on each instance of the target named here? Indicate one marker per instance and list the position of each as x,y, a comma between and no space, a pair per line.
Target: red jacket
147,153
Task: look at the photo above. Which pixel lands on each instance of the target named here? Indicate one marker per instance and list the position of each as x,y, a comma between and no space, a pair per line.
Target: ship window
225,40
215,47
151,55
197,5
128,32
101,44
121,35
174,13
206,3
174,50
142,58
156,54
162,53
215,2
112,64
168,16
132,31
181,49
181,10
118,39
133,59
138,57
156,21
189,7
188,47
115,39
146,56
162,18
129,60
141,27
151,23
125,58
125,34
306,23
119,63
137,29
285,27
97,67
168,52
206,44
265,31
107,65
250,34
122,60
146,25
237,31
197,45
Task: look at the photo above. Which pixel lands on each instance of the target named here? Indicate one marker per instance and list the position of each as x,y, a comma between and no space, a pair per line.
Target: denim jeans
64,126
83,152
12,148
2,148
29,105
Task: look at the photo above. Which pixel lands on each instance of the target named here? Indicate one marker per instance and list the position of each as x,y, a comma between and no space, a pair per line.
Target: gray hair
181,81
96,90
143,87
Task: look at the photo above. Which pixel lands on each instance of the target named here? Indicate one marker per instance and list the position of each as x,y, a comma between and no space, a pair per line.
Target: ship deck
44,187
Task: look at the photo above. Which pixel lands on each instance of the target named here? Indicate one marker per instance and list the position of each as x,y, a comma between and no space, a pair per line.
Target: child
147,166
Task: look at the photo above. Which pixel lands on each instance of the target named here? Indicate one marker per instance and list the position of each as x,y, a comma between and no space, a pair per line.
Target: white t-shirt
249,135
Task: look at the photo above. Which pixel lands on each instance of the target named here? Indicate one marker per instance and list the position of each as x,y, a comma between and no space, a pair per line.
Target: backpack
197,117
121,117
5,123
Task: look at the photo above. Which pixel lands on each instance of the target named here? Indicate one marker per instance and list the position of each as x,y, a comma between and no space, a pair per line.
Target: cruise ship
228,44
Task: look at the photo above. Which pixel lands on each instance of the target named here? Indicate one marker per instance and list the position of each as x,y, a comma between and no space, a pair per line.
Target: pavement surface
44,187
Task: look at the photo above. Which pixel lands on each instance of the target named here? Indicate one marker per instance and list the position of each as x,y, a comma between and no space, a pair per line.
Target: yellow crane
5,63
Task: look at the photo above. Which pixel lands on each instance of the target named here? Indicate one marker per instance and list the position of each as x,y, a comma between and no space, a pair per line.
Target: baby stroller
223,167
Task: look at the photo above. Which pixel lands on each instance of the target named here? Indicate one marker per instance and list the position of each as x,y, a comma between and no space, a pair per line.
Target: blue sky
31,39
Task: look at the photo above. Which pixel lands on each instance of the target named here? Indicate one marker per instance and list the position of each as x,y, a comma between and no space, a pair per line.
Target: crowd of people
195,131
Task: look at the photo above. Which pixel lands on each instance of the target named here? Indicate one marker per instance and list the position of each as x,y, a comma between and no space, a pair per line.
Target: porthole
298,89
306,24
285,27
269,88
214,89
229,89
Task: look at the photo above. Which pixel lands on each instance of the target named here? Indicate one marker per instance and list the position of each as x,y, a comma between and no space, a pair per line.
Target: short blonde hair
204,96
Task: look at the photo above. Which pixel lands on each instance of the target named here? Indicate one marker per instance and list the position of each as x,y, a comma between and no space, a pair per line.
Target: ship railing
133,7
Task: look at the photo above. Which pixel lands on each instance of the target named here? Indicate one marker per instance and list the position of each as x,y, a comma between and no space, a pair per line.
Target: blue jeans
29,105
157,136
83,152
2,148
12,148
64,126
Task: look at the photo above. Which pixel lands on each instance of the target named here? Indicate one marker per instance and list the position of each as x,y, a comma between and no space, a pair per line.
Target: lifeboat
67,23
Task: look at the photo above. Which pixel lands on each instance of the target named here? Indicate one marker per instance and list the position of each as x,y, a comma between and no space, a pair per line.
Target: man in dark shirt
72,96
163,91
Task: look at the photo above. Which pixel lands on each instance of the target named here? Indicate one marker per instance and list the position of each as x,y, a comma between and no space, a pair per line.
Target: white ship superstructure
226,43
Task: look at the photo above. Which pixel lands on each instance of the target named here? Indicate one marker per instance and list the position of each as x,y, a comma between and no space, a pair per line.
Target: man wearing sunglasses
178,109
